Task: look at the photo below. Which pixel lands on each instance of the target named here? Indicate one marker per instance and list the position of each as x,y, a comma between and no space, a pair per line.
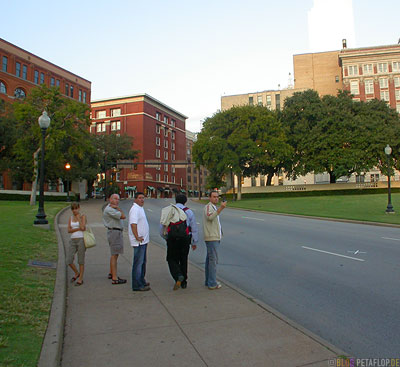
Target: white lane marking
331,253
262,220
393,239
356,252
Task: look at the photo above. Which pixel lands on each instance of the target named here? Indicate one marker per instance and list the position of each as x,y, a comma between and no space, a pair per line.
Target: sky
188,54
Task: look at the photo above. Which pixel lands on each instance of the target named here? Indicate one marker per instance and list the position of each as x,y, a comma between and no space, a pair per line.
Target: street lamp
68,167
388,151
44,123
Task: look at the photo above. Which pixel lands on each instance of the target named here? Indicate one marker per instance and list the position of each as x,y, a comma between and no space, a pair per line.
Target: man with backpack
178,226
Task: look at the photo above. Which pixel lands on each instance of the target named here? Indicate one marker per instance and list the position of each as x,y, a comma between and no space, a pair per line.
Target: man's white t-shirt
138,217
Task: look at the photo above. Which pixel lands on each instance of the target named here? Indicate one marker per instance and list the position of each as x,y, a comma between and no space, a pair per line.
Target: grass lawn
25,292
369,208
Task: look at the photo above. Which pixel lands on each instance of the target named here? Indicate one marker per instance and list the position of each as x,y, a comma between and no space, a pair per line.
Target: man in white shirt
139,238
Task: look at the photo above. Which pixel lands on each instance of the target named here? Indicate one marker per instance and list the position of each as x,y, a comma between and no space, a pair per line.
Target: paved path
109,325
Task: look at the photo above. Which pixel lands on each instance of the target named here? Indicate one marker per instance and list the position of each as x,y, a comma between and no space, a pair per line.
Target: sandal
109,276
74,278
119,281
77,284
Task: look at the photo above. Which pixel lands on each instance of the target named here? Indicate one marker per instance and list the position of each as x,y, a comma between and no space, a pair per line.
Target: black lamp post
44,123
68,167
388,151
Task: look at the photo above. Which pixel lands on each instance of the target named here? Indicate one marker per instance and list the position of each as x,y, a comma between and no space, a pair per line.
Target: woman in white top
76,226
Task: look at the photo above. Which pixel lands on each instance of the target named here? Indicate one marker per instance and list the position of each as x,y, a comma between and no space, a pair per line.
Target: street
338,280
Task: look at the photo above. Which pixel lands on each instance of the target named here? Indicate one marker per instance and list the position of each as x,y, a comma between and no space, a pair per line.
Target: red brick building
159,134
20,71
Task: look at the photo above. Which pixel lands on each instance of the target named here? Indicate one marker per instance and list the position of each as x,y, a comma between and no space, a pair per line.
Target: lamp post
68,167
388,151
44,123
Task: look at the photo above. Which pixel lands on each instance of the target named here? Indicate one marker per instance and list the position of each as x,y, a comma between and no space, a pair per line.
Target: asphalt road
338,280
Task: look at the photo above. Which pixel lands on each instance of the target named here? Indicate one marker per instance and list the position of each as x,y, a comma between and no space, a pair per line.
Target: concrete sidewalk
109,325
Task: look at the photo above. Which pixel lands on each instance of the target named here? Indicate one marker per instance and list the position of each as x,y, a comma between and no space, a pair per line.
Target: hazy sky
188,54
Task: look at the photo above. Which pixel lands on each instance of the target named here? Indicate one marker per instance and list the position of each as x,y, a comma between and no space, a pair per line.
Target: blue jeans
139,266
211,263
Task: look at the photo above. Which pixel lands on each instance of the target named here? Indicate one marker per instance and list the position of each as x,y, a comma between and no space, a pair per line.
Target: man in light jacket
212,237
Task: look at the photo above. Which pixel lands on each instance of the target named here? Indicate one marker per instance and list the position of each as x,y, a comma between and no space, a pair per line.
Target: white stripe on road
393,239
331,253
254,218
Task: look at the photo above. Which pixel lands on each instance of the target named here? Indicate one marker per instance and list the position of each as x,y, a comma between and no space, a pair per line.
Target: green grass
370,208
25,292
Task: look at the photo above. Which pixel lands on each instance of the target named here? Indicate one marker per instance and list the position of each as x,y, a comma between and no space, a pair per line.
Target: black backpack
179,230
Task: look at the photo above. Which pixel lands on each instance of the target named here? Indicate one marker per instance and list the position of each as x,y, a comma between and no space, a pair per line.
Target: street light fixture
68,167
389,209
44,123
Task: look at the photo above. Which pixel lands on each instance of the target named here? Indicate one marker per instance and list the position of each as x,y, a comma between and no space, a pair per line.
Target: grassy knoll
369,208
25,292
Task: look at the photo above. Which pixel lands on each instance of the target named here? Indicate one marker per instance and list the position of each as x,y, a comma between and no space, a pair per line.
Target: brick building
158,132
20,71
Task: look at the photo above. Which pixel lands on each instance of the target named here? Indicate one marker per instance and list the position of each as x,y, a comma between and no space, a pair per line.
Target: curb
50,354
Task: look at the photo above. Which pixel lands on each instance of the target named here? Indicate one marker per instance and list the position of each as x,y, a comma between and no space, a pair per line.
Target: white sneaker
218,286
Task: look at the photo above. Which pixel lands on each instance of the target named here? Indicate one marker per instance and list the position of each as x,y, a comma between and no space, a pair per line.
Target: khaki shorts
116,241
76,245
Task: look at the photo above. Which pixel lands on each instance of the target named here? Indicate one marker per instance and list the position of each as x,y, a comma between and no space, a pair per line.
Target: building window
382,67
396,81
250,101
57,83
253,181
165,177
385,95
165,120
98,128
113,126
52,82
103,127
3,88
337,79
166,132
397,94
41,78
36,77
158,127
165,143
396,66
101,114
173,135
165,155
24,72
173,123
158,140
19,93
116,112
166,167
352,70
269,102
157,177
17,69
383,83
368,69
72,92
84,97
354,89
118,125
369,86
173,169
80,95
173,146
173,156
360,178
374,177
259,100
398,108
5,63
262,180
157,153
66,89
173,179
158,116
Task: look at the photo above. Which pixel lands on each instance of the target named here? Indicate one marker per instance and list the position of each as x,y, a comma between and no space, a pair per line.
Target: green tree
247,140
337,135
8,135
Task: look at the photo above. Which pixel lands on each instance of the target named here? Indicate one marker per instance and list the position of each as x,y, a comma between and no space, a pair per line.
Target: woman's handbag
88,238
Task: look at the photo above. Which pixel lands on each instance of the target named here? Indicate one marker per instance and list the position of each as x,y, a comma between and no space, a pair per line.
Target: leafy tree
8,134
336,134
247,140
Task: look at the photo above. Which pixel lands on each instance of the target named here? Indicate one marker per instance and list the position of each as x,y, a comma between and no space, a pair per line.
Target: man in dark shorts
112,219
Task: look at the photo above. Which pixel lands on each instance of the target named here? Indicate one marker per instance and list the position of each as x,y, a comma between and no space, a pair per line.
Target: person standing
212,237
112,219
139,238
178,248
76,226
